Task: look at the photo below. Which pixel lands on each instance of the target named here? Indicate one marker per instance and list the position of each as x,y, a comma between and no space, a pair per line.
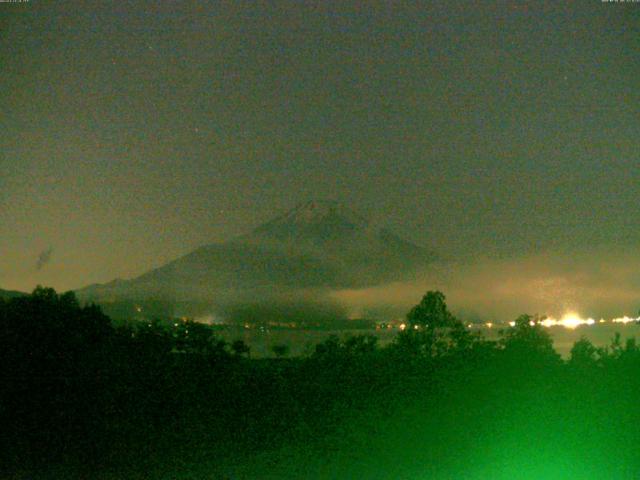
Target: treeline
82,398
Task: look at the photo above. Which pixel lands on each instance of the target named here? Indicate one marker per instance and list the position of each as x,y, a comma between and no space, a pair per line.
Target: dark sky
133,132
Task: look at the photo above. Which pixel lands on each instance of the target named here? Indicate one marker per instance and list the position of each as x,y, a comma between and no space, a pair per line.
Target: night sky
133,132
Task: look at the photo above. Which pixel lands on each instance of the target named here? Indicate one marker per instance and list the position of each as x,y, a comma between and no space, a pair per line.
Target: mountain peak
315,222
315,211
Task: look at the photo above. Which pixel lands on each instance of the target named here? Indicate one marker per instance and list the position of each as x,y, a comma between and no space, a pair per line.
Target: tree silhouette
194,337
330,347
528,341
360,344
431,312
58,352
280,350
240,348
583,353
432,330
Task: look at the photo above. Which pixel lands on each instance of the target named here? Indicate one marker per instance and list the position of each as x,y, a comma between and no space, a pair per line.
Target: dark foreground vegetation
82,399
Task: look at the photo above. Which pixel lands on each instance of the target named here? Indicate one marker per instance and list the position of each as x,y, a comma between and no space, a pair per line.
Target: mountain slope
315,245
6,294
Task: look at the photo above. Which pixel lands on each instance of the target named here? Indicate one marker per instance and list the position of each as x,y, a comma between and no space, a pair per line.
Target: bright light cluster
569,320
625,319
572,320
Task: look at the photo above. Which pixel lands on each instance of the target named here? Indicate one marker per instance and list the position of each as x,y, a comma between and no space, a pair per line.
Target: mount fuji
316,245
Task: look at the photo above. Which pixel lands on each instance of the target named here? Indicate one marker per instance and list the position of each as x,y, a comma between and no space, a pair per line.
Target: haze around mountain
326,259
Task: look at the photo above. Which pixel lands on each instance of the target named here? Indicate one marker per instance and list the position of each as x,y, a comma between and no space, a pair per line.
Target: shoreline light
625,320
570,320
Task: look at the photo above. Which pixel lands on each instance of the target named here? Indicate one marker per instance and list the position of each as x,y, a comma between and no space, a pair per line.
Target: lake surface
302,342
